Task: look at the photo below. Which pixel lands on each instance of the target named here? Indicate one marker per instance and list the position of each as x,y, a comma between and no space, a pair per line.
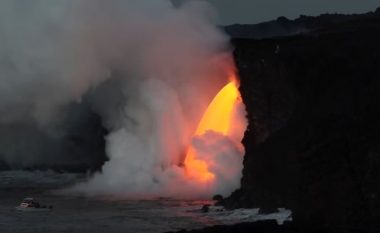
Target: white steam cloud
168,63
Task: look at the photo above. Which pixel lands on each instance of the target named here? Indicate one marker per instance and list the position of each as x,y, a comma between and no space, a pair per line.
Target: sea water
72,214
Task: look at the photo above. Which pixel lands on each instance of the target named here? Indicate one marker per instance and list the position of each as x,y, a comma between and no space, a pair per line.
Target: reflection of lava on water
218,119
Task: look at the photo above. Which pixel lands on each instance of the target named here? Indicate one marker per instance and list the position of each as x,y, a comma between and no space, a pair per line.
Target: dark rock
217,197
283,19
285,27
205,208
313,142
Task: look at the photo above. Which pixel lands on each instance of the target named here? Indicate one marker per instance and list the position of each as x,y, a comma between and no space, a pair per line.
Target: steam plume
149,68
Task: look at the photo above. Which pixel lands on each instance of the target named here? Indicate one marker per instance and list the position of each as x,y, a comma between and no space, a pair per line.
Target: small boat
31,205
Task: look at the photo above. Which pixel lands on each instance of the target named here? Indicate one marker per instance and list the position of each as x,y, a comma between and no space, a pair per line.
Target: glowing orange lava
217,118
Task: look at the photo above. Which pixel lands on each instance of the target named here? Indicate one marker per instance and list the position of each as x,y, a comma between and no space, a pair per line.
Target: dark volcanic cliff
313,141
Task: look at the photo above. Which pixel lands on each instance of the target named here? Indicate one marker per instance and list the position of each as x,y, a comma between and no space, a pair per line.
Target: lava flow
218,119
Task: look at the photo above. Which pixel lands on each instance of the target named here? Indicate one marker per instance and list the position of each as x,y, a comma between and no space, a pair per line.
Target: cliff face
313,141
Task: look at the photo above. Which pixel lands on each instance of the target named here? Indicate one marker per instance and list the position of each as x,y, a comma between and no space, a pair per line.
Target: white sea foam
249,215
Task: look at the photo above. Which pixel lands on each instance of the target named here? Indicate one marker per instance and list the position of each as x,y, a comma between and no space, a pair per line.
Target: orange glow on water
217,118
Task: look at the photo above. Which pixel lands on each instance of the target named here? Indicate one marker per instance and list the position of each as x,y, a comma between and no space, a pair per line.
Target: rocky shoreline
312,144
260,227
270,226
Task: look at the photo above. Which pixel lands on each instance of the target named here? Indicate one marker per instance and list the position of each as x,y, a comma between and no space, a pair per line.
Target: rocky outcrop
313,141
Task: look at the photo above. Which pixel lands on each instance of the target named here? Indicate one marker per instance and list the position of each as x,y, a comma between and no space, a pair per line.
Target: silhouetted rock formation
313,141
280,27
285,27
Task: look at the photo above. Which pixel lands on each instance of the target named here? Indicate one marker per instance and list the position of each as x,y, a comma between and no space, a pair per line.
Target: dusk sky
255,11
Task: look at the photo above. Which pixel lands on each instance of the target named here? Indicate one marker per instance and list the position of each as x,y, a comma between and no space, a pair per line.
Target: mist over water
148,68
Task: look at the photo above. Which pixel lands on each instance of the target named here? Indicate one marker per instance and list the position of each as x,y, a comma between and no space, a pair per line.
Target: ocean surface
73,214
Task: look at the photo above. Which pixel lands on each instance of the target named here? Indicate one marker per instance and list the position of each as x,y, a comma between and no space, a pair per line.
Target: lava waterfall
160,76
219,123
179,163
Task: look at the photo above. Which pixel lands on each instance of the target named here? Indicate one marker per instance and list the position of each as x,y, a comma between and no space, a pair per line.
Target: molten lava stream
217,118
